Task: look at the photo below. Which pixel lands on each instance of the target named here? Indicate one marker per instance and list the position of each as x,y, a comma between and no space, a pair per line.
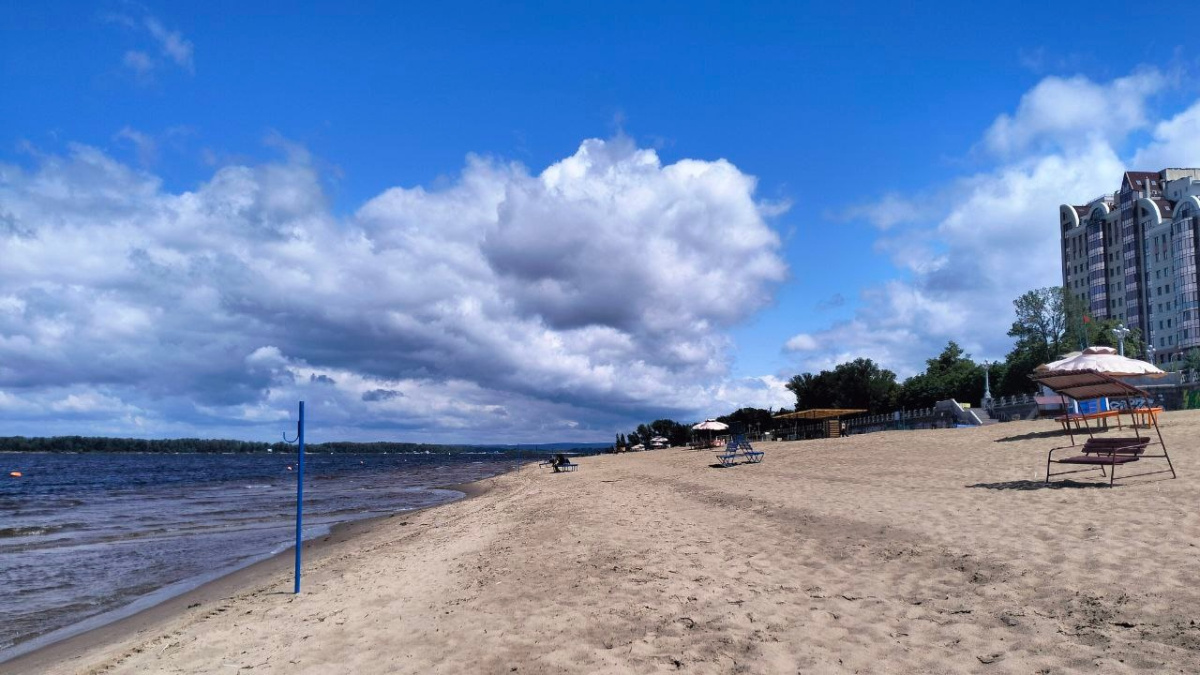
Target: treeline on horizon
1049,322
84,444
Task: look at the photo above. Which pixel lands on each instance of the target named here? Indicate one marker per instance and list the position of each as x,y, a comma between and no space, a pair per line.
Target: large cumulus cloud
574,300
967,249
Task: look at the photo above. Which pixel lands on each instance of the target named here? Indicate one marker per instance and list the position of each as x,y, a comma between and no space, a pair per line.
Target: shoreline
941,551
261,573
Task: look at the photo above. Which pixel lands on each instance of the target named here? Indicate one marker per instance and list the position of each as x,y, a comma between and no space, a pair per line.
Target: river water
84,535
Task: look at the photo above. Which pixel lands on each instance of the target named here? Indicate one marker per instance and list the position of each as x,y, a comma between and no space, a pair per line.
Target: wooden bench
1101,452
1080,420
1145,417
566,466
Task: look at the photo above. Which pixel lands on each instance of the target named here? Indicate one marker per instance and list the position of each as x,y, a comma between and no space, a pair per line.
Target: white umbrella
1103,360
710,425
1054,364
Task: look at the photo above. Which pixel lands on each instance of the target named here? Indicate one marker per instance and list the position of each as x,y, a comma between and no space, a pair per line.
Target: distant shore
105,444
905,551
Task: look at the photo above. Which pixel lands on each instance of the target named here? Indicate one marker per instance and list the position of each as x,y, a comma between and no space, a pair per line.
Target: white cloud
802,342
1176,143
139,62
1074,111
579,299
993,234
172,44
890,210
172,47
143,144
89,402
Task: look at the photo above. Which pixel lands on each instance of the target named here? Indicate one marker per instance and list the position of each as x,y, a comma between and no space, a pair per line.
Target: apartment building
1131,255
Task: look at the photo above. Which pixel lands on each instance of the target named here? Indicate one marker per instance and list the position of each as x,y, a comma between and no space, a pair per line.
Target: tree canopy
949,375
856,384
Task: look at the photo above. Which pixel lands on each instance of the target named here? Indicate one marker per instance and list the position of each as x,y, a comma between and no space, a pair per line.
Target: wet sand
924,551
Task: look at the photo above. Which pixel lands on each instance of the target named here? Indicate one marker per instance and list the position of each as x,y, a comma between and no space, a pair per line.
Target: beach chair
743,446
568,466
1098,453
727,459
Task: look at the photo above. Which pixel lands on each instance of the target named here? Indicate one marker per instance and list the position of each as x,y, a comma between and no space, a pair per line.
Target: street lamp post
1121,331
987,385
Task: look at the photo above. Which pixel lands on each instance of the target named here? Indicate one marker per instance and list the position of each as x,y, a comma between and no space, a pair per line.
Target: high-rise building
1131,256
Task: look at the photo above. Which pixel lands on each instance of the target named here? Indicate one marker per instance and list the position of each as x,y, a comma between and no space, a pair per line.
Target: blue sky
396,212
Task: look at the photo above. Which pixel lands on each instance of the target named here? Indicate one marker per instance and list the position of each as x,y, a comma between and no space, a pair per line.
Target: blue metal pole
299,493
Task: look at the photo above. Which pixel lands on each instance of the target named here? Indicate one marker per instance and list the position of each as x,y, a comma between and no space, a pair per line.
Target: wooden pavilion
820,422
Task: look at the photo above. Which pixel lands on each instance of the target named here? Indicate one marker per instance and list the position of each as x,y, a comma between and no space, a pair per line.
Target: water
82,535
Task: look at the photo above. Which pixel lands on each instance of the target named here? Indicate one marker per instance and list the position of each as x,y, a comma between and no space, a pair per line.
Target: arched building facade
1131,256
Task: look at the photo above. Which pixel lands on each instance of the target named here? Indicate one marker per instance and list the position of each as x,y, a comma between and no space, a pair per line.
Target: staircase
985,418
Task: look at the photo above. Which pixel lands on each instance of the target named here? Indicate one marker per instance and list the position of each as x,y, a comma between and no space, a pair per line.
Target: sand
905,552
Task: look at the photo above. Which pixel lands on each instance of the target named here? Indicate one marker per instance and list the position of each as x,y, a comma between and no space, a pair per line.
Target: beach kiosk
817,422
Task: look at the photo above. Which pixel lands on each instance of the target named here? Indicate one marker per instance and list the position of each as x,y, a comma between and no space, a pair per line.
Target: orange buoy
15,474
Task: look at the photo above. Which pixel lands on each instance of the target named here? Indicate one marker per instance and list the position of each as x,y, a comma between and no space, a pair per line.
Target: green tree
1041,321
1049,322
674,432
951,374
1192,360
856,384
749,420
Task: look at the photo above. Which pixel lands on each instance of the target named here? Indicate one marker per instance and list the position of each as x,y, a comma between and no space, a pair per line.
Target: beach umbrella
1102,360
1053,364
710,426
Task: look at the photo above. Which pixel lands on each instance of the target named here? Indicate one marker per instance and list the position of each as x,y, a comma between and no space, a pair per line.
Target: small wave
33,530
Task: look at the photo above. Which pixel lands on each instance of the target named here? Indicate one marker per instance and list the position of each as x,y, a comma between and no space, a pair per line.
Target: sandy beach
920,551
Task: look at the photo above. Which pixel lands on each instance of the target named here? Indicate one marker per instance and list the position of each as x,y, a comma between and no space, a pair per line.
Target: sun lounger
568,466
739,447
1098,453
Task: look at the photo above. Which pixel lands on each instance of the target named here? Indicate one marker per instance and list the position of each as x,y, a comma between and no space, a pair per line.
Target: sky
461,222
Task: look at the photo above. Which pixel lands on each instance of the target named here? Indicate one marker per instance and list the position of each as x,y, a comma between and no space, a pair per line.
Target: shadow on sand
1100,482
1038,485
1034,435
